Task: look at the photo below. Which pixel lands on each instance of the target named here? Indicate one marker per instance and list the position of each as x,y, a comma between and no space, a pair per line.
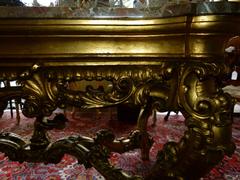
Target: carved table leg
208,114
146,141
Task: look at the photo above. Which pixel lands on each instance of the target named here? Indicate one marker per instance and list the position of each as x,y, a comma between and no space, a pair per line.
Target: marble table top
167,10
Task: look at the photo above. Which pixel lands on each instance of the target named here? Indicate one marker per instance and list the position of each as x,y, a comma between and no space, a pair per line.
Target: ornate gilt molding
46,88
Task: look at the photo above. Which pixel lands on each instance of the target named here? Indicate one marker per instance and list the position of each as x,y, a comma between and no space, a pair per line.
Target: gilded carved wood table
174,63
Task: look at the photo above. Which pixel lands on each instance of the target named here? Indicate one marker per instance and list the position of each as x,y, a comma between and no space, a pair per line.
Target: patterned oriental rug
84,124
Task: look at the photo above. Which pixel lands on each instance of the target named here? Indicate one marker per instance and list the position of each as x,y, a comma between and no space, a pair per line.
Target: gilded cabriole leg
208,114
145,141
156,95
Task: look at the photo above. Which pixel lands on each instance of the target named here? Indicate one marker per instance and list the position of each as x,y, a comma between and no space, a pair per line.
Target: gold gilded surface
99,37
176,37
209,33
155,64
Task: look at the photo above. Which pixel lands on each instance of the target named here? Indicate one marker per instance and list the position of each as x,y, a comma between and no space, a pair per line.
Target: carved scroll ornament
194,89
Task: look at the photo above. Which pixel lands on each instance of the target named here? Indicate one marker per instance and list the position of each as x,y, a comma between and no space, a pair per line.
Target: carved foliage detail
125,84
40,94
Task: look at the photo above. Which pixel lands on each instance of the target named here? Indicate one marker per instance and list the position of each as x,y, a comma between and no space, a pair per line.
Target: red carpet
131,162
